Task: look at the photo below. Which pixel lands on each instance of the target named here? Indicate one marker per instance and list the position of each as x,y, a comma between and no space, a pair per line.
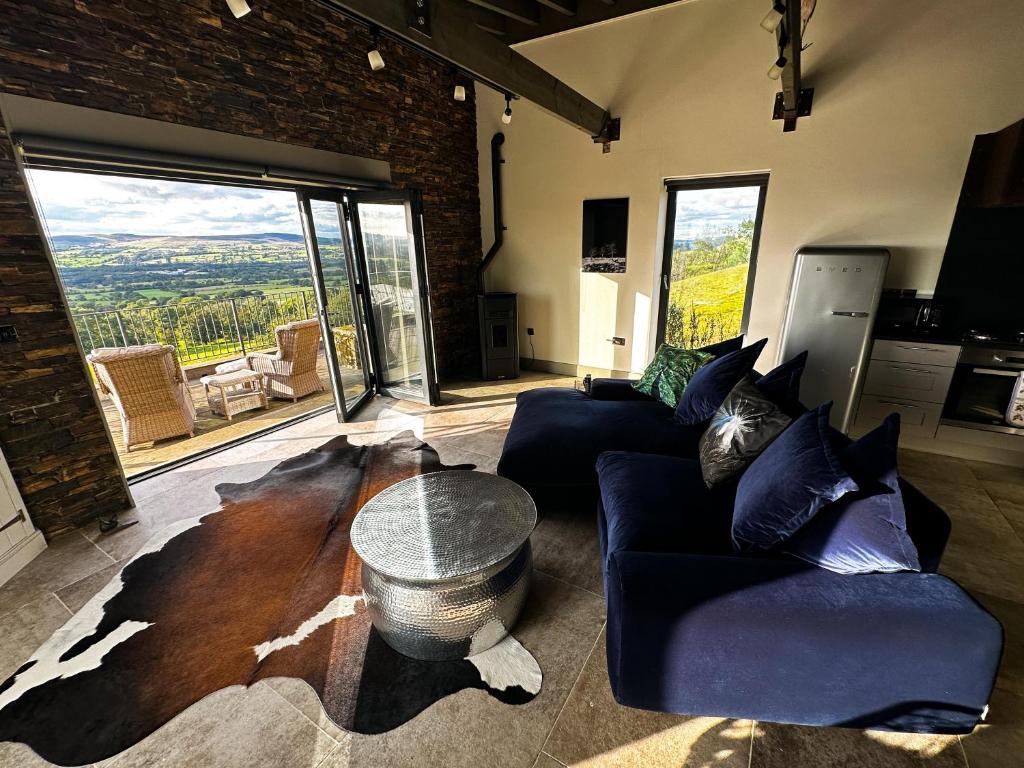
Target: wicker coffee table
234,392
446,561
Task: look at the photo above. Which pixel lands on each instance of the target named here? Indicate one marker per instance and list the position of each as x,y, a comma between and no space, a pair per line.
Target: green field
713,292
106,272
264,288
707,307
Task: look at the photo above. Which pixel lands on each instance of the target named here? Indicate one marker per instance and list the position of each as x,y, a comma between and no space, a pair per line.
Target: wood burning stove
499,335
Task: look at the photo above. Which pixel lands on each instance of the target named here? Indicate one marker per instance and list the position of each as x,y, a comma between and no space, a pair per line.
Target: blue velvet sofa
557,434
694,628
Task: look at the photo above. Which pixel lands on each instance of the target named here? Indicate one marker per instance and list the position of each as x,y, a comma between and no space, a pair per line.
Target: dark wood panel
565,7
523,11
561,15
489,21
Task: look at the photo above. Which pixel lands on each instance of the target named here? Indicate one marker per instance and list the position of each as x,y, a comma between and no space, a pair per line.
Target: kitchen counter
932,338
947,338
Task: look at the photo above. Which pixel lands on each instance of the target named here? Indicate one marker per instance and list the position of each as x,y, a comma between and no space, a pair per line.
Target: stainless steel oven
986,391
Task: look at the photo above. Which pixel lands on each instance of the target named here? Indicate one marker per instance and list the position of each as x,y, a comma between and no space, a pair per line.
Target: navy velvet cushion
789,483
865,531
712,383
720,348
781,385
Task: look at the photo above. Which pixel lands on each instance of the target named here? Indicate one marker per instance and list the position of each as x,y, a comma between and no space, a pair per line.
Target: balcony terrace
205,334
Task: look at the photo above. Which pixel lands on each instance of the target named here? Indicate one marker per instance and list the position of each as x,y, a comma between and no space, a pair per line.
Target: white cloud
703,211
85,204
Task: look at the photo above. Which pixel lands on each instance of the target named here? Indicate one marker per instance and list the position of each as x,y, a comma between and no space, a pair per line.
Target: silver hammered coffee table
446,561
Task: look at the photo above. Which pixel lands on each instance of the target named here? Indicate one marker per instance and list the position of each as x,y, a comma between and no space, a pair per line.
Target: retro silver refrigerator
832,306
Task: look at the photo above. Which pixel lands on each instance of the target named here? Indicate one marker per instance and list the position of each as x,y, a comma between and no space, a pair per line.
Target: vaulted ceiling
473,37
514,21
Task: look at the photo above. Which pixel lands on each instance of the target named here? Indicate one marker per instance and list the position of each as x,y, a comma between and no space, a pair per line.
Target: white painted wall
901,89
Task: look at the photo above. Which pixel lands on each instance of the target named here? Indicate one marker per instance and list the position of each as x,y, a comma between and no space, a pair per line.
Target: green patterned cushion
670,371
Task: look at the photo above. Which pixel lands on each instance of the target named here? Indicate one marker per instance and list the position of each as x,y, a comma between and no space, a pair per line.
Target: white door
19,540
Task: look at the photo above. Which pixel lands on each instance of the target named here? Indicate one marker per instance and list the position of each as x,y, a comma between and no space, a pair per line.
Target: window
711,236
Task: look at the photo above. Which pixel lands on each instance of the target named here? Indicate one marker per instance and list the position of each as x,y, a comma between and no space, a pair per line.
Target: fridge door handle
849,314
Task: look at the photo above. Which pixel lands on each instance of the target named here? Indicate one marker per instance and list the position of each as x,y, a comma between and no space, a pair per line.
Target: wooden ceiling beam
564,7
455,38
523,11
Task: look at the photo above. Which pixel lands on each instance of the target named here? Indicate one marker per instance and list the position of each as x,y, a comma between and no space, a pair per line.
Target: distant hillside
108,271
63,242
144,251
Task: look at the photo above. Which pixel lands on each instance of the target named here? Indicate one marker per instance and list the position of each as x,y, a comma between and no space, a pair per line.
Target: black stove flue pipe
499,227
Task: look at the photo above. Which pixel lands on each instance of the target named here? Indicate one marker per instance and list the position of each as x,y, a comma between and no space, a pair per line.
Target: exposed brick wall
291,72
50,429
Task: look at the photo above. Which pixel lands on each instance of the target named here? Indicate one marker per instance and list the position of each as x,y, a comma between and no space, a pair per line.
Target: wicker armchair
148,389
291,372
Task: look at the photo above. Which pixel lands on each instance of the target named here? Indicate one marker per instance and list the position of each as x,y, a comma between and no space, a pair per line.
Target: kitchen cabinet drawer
915,352
917,419
908,381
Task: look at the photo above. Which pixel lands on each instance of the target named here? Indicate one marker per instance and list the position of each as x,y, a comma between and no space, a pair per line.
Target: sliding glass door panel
338,305
388,236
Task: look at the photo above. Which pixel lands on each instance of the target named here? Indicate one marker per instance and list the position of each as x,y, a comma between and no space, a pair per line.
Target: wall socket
529,331
618,341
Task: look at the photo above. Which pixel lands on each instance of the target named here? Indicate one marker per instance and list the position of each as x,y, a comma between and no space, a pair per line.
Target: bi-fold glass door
367,258
387,234
337,287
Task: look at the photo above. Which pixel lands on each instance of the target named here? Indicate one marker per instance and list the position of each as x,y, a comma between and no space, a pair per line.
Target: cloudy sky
708,211
88,204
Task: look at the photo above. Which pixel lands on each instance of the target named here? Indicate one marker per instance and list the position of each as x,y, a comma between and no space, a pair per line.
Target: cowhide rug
265,586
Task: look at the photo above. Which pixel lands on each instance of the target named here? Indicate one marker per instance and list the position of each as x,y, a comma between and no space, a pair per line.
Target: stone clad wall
51,432
290,72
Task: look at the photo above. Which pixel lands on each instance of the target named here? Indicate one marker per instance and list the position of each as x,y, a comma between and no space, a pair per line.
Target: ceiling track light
774,18
459,93
373,55
775,71
506,116
238,8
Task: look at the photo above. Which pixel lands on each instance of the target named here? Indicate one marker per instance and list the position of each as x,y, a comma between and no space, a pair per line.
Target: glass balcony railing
209,330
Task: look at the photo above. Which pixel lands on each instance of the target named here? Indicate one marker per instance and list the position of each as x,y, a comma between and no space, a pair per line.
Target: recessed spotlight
238,7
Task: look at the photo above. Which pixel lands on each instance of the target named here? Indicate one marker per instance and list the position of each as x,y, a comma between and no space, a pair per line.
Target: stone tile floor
575,721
